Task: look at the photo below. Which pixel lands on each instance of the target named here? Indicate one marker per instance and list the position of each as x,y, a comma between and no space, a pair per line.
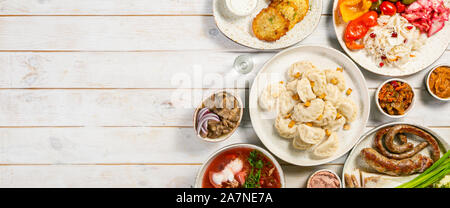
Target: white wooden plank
131,145
128,145
124,69
165,176
113,7
129,33
72,176
129,175
110,145
143,70
152,107
101,107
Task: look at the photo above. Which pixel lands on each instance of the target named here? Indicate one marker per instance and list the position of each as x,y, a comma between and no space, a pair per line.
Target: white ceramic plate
354,162
239,29
429,53
323,58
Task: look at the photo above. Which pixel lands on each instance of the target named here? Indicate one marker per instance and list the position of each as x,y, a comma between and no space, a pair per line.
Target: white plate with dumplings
301,100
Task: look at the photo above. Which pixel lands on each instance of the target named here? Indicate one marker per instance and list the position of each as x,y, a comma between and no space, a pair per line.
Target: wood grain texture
143,70
107,111
125,145
127,33
154,107
114,7
106,7
134,176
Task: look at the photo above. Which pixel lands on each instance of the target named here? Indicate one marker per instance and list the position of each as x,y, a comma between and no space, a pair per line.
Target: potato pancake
303,8
289,11
270,25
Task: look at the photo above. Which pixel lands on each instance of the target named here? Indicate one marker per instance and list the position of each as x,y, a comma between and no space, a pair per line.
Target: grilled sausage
417,164
379,145
389,140
394,148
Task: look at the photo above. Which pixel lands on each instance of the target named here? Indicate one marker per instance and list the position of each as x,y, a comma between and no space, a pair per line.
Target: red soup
241,168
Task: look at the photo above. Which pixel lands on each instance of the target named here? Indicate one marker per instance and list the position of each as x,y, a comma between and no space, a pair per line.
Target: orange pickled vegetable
352,9
395,97
440,82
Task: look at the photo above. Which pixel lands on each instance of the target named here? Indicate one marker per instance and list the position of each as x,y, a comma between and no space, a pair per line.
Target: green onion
435,178
439,168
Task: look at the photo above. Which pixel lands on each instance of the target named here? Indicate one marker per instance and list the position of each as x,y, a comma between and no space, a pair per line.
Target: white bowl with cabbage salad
394,41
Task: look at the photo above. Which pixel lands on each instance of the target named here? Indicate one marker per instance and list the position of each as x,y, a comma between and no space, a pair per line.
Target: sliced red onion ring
210,116
202,126
203,116
202,112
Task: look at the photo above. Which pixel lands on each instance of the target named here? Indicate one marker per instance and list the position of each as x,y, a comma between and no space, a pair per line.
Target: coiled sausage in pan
389,140
379,145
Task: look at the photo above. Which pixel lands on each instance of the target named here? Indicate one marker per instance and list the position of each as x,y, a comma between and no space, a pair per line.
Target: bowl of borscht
240,166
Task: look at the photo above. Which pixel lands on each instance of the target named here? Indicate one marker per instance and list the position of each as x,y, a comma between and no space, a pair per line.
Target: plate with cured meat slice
391,155
395,39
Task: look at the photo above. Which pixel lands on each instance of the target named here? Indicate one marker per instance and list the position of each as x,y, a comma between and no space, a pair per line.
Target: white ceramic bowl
428,86
251,7
201,173
226,136
324,170
406,111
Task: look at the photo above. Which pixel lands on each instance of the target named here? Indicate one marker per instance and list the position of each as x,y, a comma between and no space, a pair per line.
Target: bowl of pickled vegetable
438,82
395,98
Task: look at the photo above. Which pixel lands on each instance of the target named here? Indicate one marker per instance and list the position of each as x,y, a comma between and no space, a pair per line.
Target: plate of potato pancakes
269,24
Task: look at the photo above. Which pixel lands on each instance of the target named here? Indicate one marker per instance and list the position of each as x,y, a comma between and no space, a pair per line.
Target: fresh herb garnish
252,180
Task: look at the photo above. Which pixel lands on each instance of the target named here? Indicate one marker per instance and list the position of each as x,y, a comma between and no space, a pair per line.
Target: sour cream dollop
227,174
241,7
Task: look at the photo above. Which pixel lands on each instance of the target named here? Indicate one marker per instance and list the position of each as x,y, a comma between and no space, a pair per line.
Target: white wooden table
86,86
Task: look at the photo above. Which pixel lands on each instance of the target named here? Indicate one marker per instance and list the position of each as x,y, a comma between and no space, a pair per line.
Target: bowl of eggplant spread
218,116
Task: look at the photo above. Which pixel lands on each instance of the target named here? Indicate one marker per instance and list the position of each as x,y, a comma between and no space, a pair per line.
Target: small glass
243,64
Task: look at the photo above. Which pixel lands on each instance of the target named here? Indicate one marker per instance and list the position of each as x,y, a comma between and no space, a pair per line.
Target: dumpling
309,134
304,90
335,125
333,94
269,97
276,89
328,147
286,102
336,78
292,86
329,114
283,129
348,109
308,114
297,69
318,81
299,144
